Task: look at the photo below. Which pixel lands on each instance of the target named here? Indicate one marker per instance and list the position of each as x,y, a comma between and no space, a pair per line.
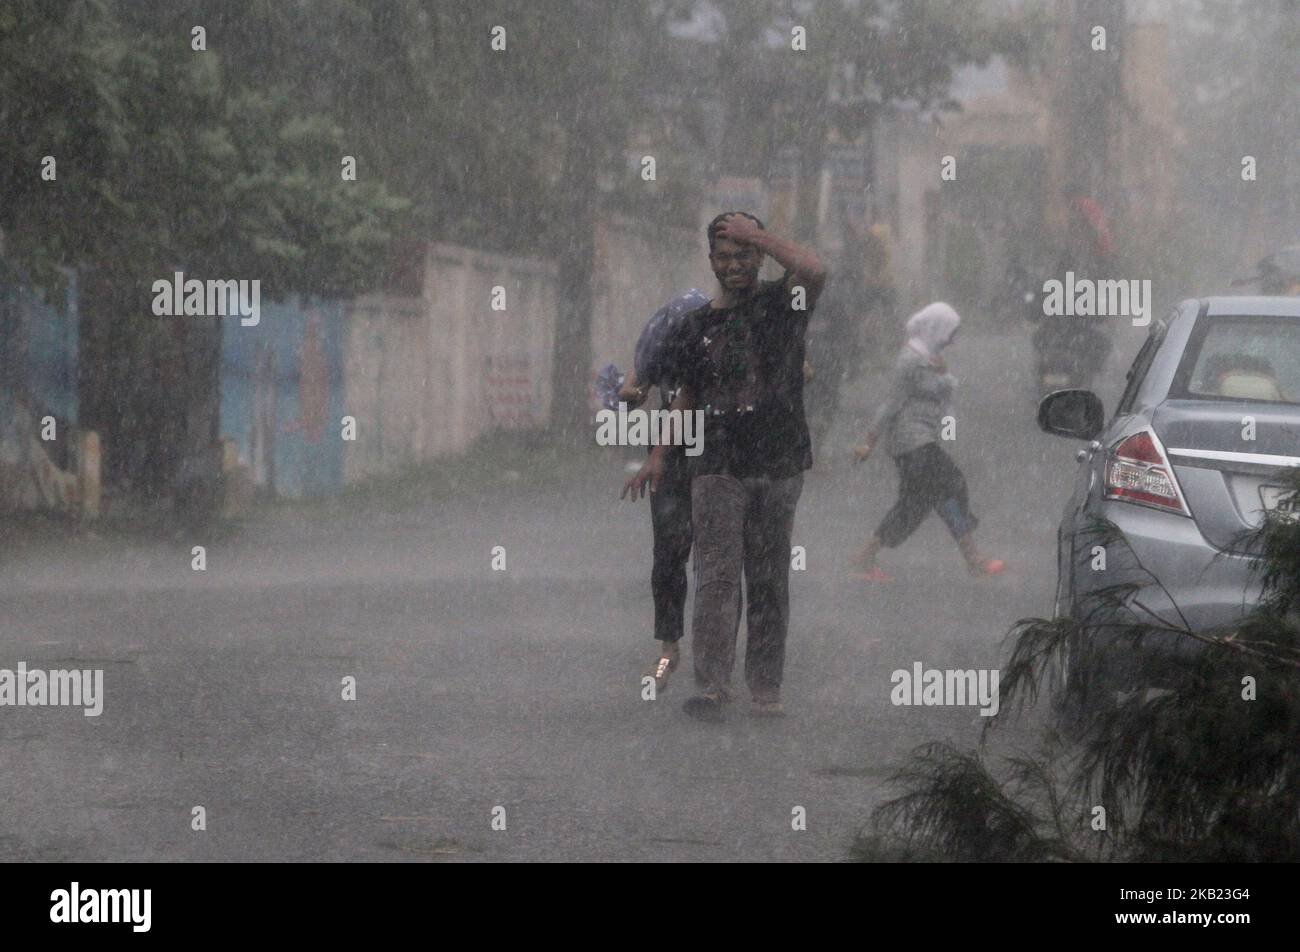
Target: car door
1084,504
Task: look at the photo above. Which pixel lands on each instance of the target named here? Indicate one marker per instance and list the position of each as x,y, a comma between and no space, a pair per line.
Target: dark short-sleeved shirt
745,365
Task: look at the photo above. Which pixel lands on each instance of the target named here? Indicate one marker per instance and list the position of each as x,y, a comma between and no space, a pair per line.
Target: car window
1243,358
1138,371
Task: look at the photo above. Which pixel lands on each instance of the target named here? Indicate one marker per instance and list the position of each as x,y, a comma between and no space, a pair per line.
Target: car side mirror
1077,414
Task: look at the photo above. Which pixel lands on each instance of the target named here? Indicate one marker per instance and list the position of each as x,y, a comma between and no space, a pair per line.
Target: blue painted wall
43,347
282,389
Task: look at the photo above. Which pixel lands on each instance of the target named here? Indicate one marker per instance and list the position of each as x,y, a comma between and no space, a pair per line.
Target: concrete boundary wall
425,377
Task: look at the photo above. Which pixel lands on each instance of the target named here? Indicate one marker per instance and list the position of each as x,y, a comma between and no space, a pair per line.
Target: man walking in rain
740,359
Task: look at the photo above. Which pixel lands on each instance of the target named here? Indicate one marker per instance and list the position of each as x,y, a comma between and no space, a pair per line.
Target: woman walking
927,476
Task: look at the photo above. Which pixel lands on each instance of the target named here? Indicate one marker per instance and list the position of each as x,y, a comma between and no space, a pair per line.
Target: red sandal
986,567
873,574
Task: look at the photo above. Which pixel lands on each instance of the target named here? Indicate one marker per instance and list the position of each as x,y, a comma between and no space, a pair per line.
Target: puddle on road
439,847
839,770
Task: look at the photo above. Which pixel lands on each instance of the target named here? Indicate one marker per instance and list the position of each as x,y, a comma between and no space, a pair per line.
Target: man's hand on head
804,266
741,230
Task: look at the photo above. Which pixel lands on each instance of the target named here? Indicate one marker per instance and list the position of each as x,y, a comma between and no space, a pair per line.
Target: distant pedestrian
928,479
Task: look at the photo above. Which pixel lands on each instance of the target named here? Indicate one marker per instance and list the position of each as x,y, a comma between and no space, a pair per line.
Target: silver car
1187,465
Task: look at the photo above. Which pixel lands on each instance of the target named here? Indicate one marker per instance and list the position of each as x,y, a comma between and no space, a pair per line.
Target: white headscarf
930,329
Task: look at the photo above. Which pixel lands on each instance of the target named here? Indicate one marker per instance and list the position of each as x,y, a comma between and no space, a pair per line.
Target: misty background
391,171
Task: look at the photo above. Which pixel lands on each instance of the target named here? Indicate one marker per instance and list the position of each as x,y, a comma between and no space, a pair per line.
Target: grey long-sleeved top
918,400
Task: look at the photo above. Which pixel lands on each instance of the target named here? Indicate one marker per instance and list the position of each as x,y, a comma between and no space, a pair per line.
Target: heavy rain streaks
601,432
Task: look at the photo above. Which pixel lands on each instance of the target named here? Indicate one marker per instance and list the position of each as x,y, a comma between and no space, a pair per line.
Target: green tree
170,161
579,78
61,96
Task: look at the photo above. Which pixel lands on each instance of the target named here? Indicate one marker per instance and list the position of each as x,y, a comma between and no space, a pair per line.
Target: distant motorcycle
1069,351
1276,275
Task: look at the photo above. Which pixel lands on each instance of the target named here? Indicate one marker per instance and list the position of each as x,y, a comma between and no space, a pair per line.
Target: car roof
1271,306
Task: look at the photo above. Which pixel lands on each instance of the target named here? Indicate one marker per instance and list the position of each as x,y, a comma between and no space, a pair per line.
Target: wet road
519,688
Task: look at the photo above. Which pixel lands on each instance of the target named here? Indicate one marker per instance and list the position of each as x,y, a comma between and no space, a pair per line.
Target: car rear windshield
1242,358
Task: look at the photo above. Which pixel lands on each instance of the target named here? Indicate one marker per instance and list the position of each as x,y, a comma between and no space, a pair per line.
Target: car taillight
1137,470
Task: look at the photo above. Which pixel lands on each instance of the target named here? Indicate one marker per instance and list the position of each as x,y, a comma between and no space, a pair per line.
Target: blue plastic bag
608,382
